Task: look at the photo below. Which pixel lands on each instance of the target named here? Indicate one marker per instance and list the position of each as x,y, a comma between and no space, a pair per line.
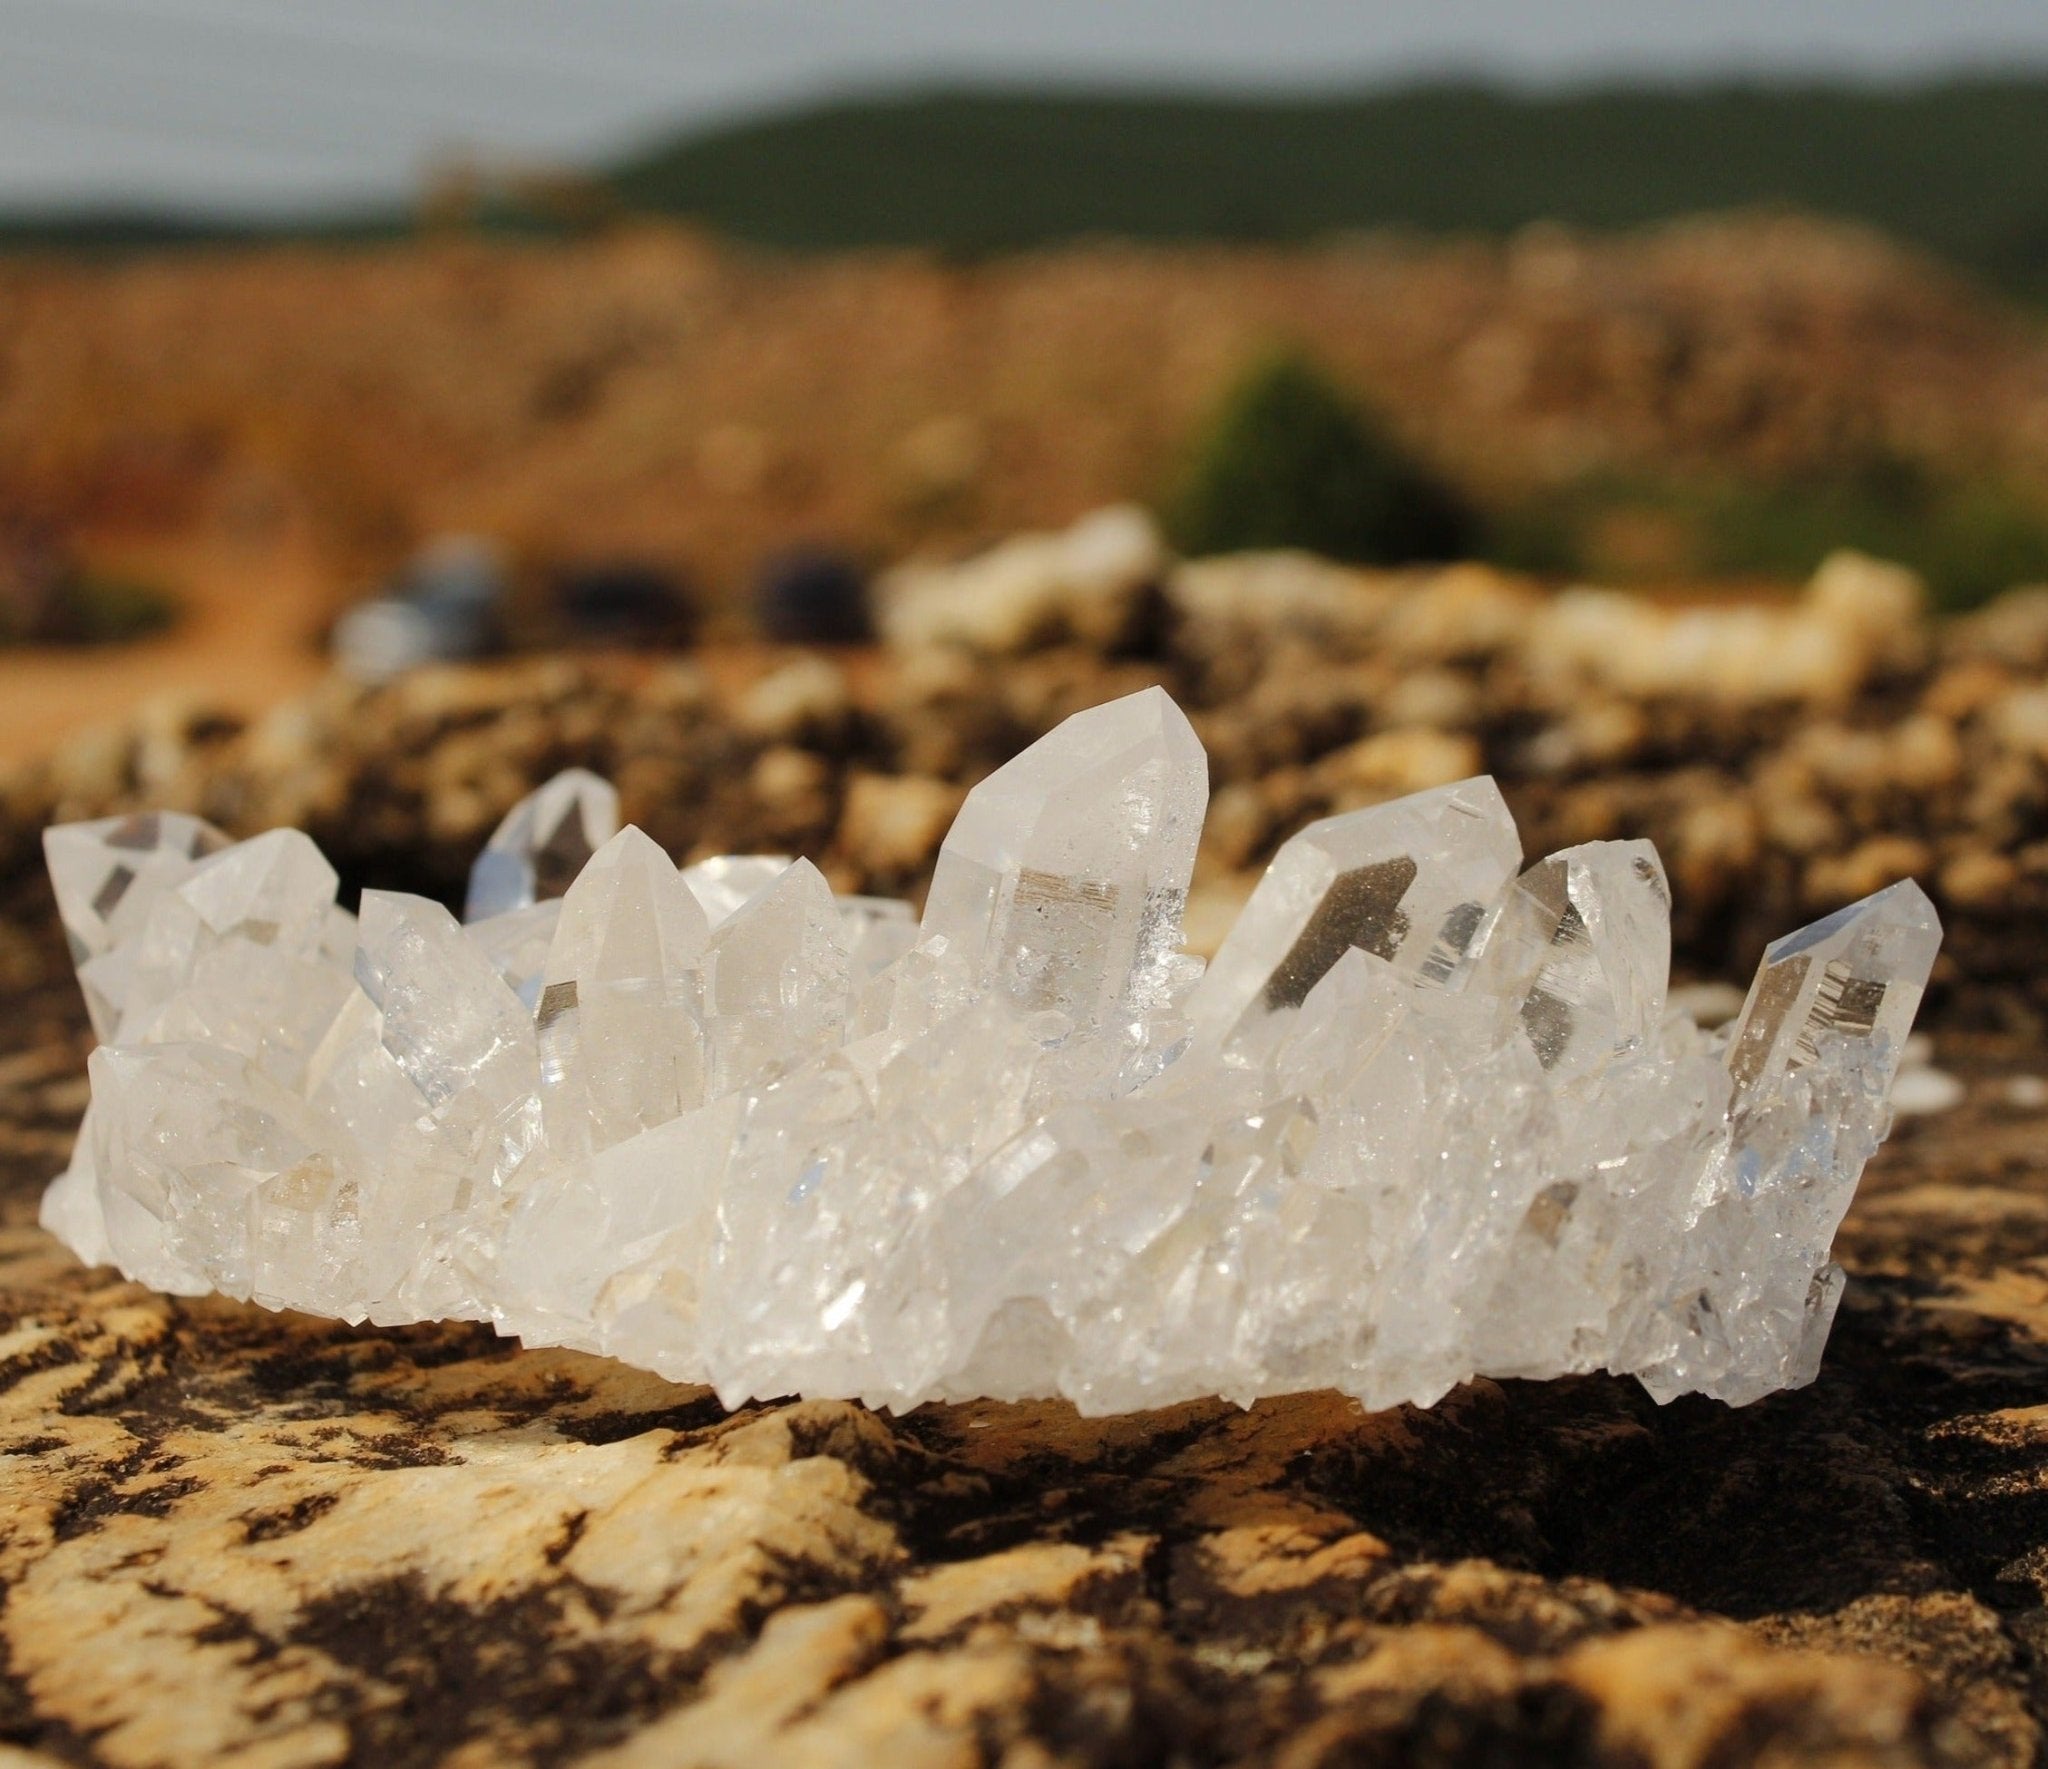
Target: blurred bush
98,608
1289,460
49,600
1970,538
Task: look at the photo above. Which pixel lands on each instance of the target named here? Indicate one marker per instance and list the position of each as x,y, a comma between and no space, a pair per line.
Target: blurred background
351,328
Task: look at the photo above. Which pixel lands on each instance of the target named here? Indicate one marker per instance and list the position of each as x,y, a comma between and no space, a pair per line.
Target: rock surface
229,1536
1818,750
235,1537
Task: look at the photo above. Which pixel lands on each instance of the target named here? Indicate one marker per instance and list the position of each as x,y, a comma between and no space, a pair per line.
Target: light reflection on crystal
1426,1115
724,882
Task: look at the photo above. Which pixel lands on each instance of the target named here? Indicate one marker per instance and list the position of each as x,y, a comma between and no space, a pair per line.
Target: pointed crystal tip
543,842
1409,882
1065,874
1856,974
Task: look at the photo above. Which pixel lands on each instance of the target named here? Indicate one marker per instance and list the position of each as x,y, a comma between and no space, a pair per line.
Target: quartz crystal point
876,931
542,844
621,1047
1425,1117
221,994
107,876
1064,876
430,1080
517,944
1409,882
775,978
1580,950
1810,1062
1855,975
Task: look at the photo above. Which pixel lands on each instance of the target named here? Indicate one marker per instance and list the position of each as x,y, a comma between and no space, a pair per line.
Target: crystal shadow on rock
1426,1116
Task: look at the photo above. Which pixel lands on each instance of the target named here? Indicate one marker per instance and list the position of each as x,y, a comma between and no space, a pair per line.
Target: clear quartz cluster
1426,1115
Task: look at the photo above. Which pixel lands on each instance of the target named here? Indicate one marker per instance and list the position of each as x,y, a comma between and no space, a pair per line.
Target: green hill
115,230
1960,167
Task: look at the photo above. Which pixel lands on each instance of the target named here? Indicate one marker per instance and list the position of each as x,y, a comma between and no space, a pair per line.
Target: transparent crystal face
1409,882
1857,974
107,875
543,844
1426,1116
1064,876
725,881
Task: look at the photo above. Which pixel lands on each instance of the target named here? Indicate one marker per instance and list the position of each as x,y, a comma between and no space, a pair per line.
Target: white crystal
725,881
1424,1117
775,979
1857,974
1580,950
876,931
621,1044
1064,876
542,844
516,942
108,876
1410,882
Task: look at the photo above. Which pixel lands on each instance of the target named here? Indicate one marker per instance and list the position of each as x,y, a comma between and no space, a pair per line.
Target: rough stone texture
228,1536
1814,754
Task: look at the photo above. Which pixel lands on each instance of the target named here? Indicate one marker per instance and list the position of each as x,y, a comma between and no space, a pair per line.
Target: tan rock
1678,1696
801,698
1924,753
1462,611
2010,631
2021,721
1268,599
1979,879
1390,764
894,823
1880,605
1441,699
1084,584
1869,866
785,773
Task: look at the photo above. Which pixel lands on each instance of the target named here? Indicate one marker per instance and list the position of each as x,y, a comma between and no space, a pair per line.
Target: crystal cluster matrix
1426,1115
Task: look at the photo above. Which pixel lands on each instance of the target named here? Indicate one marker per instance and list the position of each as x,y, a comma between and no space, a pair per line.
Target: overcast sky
272,103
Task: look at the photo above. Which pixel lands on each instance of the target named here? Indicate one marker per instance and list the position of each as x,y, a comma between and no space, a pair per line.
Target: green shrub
96,608
1289,461
1970,539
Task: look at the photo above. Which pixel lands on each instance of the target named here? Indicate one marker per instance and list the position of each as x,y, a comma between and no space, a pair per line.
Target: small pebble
2028,1092
1918,1092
